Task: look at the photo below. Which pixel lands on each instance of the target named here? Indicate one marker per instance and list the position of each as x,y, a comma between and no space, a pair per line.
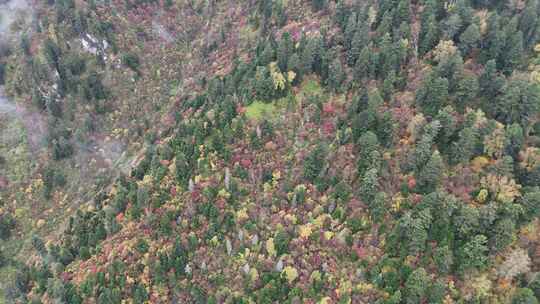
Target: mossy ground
258,110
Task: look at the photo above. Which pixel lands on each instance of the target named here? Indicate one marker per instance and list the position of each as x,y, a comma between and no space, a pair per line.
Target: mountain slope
273,152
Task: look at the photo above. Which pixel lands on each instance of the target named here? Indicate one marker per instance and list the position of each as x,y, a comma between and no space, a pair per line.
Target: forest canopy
300,151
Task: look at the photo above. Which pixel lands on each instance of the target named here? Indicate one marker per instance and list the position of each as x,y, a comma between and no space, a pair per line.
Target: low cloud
10,11
6,107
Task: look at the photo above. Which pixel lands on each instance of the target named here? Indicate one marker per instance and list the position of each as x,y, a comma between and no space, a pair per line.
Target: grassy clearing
173,88
14,148
310,87
258,109
7,274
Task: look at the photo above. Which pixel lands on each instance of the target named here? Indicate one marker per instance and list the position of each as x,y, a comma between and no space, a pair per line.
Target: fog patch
162,32
28,125
6,108
33,121
99,154
10,13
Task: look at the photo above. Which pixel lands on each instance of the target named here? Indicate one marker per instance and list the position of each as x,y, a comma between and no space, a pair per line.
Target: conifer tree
361,68
524,296
429,35
446,117
495,41
285,50
465,147
518,103
443,258
360,39
307,56
469,39
474,253
268,55
491,82
294,65
318,4
369,186
378,206
432,94
385,128
451,26
388,85
465,12
502,234
416,286
336,76
402,12
367,143
314,163
430,177
422,152
342,14
359,102
528,23
350,30
385,26
466,90
512,54
389,56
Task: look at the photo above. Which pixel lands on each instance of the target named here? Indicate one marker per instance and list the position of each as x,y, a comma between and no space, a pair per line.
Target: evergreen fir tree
368,188
402,12
336,75
495,41
268,55
350,30
430,177
367,143
429,35
490,82
361,68
318,4
416,286
469,39
307,57
512,55
432,94
466,91
528,23
285,50
342,14
360,39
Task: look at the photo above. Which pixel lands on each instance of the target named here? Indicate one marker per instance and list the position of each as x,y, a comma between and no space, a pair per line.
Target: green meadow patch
311,87
258,109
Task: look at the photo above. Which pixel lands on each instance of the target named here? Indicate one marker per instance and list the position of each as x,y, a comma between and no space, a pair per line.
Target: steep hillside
378,151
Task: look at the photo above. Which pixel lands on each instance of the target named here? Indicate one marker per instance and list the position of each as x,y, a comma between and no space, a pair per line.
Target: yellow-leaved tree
277,77
504,189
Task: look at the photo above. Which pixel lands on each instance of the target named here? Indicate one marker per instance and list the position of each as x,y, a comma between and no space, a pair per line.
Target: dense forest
270,151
